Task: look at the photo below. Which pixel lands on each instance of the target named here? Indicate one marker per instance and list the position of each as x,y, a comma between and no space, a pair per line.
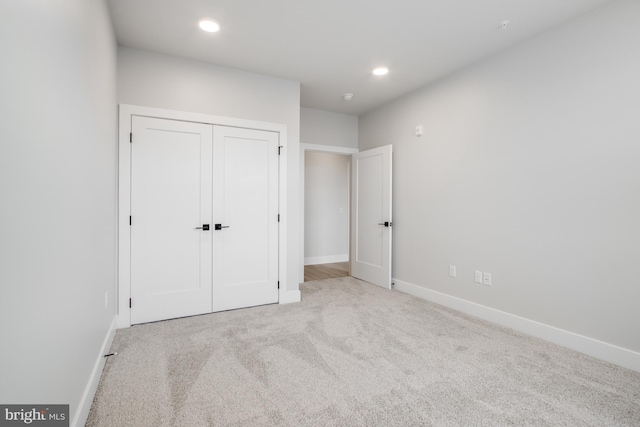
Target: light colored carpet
353,354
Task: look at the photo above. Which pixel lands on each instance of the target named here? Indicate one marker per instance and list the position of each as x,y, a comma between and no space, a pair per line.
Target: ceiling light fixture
347,96
209,25
380,71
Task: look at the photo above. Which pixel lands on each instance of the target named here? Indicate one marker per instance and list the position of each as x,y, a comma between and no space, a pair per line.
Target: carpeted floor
353,354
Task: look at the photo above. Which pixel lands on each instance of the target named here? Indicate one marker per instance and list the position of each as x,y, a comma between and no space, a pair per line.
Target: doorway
325,192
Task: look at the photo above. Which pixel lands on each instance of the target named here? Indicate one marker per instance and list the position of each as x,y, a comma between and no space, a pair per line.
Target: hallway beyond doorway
326,271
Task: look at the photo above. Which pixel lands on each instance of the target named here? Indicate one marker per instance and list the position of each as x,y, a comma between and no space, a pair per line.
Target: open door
371,221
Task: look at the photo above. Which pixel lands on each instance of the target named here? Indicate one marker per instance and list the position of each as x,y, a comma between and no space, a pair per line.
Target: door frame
323,149
125,114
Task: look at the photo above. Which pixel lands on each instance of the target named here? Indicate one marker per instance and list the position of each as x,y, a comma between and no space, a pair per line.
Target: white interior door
246,209
371,216
171,195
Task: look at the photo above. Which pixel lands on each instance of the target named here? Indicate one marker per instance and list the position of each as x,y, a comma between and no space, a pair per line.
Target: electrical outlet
478,276
486,279
106,299
452,270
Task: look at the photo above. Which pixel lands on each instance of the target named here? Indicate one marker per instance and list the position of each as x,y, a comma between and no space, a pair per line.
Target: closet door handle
386,223
205,227
220,226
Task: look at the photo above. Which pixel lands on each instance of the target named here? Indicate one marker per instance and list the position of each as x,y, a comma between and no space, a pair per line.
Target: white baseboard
84,407
287,297
326,259
601,350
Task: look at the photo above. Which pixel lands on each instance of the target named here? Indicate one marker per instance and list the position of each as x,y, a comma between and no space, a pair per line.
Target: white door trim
324,149
124,194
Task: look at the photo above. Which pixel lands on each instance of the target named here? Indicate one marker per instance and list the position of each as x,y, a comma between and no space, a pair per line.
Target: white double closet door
204,218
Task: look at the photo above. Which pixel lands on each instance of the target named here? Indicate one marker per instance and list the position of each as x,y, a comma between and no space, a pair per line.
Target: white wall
58,195
327,128
528,169
153,80
326,207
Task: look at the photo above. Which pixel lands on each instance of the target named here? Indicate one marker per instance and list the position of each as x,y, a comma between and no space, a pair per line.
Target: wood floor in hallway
325,271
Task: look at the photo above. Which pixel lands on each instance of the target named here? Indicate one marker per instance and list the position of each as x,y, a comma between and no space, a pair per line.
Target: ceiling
331,46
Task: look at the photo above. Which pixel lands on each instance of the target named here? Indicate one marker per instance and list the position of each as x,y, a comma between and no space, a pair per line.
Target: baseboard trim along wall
289,297
601,350
326,259
80,418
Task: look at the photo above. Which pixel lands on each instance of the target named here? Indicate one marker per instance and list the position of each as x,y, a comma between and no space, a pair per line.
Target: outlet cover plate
478,276
486,279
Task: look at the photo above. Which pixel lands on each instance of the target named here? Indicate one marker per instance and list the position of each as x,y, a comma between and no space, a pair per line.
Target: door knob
220,226
204,227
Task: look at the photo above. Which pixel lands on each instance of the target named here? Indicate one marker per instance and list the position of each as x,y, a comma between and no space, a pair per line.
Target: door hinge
129,302
130,136
279,148
129,219
278,217
278,284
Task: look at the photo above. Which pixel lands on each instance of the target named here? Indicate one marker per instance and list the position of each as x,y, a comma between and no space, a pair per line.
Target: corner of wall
84,407
287,297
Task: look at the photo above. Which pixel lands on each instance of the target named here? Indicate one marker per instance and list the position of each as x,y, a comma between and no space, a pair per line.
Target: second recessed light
380,71
209,25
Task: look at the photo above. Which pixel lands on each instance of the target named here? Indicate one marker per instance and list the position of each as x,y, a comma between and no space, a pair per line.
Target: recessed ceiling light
209,25
380,71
